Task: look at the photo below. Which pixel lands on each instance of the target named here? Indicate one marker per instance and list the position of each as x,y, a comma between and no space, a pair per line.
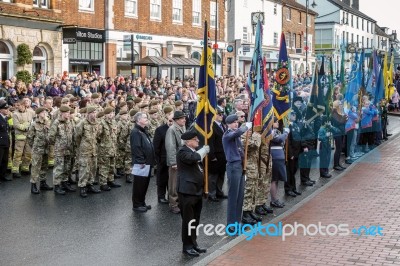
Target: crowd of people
92,130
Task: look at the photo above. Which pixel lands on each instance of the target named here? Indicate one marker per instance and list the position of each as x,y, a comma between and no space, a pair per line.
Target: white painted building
240,31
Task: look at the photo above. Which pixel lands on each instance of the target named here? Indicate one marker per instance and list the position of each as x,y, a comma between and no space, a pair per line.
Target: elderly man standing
4,140
172,144
190,190
142,158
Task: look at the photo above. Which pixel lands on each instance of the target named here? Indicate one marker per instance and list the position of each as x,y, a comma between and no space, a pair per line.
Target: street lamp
306,48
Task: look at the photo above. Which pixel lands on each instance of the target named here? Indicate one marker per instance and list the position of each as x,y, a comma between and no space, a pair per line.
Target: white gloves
203,151
286,130
249,125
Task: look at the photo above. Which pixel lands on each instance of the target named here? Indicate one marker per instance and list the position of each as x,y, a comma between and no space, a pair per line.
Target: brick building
294,26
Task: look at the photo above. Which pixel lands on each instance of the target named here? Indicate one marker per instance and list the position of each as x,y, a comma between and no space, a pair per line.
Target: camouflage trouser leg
62,169
250,187
128,163
39,167
18,152
10,159
119,161
264,182
87,170
26,158
75,167
106,169
51,155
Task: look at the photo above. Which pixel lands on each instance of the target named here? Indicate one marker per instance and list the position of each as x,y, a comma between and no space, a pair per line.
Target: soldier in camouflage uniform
252,172
123,134
107,136
264,179
37,139
22,120
85,137
75,168
96,102
128,154
60,135
154,122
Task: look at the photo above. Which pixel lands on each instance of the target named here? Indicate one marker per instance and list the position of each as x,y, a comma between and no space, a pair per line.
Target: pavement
102,229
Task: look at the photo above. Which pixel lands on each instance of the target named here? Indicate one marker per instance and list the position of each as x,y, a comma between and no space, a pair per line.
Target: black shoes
44,186
67,187
58,190
267,208
140,209
129,178
92,189
113,184
213,199
16,175
191,252
290,193
247,218
119,173
34,189
223,196
277,204
83,192
339,168
163,201
260,210
307,183
8,178
200,250
296,192
256,217
326,175
105,188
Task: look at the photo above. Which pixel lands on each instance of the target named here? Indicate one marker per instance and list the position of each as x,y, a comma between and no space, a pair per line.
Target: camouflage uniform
107,135
22,152
264,180
37,139
124,131
128,152
252,172
60,135
153,125
85,137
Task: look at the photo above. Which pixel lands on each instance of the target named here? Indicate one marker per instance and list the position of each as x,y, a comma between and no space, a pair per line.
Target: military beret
108,110
82,111
137,100
122,104
123,112
39,110
230,119
90,109
178,103
188,135
170,93
95,95
100,114
153,111
167,109
69,96
64,109
71,110
154,102
133,112
143,105
65,100
3,104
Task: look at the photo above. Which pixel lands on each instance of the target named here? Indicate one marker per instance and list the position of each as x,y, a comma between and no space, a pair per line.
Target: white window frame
245,36
213,12
135,8
91,8
196,5
177,6
289,14
40,4
155,3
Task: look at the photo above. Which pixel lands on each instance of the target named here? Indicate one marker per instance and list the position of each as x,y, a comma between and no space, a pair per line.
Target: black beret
188,135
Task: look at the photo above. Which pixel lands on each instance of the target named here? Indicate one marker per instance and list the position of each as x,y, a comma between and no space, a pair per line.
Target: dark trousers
305,166
162,180
139,191
291,169
234,172
3,161
190,207
216,182
338,150
324,157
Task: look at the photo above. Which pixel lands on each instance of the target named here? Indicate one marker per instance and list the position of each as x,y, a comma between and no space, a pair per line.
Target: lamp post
306,48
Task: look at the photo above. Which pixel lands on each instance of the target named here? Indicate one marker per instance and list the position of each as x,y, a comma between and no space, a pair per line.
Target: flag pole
206,108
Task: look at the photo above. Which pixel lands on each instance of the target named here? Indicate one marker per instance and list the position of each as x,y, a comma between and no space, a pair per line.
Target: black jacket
4,130
141,146
159,144
294,141
189,175
217,150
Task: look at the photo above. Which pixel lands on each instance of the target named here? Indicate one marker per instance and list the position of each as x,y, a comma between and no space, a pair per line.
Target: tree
24,55
24,76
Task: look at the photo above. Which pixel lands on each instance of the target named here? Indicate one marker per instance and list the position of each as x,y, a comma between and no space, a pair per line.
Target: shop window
86,50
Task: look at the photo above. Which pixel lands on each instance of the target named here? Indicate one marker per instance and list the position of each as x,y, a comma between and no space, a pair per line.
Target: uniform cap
188,135
108,110
64,109
178,103
82,111
167,109
153,111
133,112
39,110
100,114
95,95
90,109
230,119
123,112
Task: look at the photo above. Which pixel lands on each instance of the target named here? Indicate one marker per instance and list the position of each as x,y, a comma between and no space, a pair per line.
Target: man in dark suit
161,155
4,141
190,190
217,159
294,149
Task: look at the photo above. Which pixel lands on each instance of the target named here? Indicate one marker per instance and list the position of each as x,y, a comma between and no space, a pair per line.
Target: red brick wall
18,6
84,19
111,59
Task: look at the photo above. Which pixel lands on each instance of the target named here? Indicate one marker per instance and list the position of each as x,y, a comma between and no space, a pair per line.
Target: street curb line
238,239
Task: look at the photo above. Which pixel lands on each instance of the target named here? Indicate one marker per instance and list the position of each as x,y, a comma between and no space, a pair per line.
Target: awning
157,61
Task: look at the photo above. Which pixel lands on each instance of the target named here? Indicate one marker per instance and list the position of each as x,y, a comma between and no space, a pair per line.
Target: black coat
189,175
159,144
4,130
141,146
294,141
217,151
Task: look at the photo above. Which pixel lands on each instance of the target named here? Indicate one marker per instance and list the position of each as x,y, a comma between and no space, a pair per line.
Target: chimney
356,4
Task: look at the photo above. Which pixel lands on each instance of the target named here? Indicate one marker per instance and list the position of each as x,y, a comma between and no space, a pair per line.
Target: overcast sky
385,12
